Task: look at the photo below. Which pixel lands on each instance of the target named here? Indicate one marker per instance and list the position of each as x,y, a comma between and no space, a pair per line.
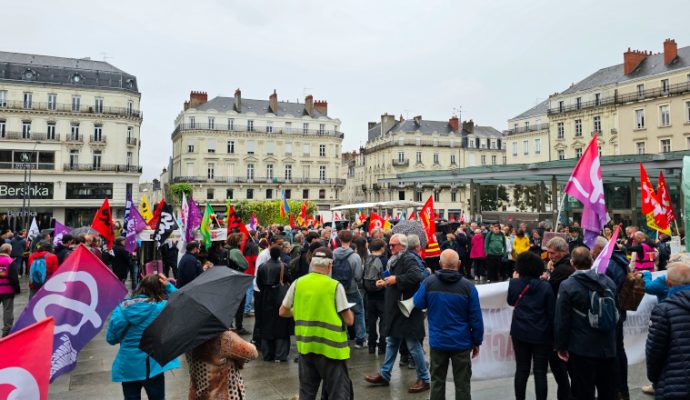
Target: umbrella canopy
408,227
199,311
84,230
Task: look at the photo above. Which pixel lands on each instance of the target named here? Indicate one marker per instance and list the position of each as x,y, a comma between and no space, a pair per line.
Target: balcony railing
102,167
132,141
68,108
259,129
74,139
34,165
33,136
98,140
258,180
401,163
531,128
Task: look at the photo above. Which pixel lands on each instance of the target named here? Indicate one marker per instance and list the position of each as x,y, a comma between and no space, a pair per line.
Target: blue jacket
657,287
127,325
533,317
452,303
188,269
617,270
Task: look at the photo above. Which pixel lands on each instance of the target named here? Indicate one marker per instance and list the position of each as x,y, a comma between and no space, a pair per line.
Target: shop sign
16,190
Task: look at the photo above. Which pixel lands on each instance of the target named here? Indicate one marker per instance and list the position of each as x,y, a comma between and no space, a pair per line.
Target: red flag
651,207
427,218
153,222
665,198
375,221
292,222
25,361
462,217
235,222
362,217
103,223
302,217
413,216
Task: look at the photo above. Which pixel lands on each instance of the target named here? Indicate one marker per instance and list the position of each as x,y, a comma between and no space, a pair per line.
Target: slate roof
427,127
652,65
61,71
539,109
260,107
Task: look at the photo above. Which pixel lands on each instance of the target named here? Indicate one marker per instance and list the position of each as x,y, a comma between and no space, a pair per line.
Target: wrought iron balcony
103,167
74,139
401,163
33,136
132,141
69,108
97,140
259,129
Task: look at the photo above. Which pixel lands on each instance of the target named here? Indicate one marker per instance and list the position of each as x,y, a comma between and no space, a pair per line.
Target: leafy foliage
488,197
268,211
526,198
176,190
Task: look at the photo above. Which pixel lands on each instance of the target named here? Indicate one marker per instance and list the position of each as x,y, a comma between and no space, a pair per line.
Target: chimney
417,120
401,118
309,104
631,59
238,100
321,106
372,125
468,126
454,123
387,123
670,51
273,102
196,99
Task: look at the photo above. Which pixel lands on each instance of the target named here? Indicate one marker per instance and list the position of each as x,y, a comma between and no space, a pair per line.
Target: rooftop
539,109
260,107
426,127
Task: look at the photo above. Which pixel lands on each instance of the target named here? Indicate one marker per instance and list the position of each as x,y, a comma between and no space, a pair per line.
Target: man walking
403,282
347,268
320,309
189,266
18,247
456,327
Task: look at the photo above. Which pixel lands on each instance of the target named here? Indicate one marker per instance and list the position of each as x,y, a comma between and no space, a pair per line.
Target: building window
639,119
229,194
515,145
97,105
322,173
52,102
437,196
97,133
305,149
687,143
597,99
129,159
3,132
483,160
664,86
97,159
505,160
578,152
95,191
130,108
288,193
250,171
525,147
419,157
305,128
3,98
436,158
452,159
561,155
269,171
288,172
269,126
50,133
129,135
578,103
322,150
401,156
561,130
640,90
596,124
665,145
231,147
269,194
231,124
687,110
418,141
401,195
251,146
73,158
211,171
561,106
288,149
211,123
270,148
664,115
451,144
76,103
493,160
578,127
453,196
305,194
192,122
322,194
641,148
537,146
211,143
250,125
288,127
28,99
26,130
322,129
401,141
418,196
250,194
305,171
190,146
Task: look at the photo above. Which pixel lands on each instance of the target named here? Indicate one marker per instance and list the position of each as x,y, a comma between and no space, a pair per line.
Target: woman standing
275,331
532,326
134,368
9,287
477,254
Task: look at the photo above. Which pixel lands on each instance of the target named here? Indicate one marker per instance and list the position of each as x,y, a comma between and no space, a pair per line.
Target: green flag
206,226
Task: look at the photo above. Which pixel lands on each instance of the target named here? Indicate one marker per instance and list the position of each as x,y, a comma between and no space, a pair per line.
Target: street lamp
27,164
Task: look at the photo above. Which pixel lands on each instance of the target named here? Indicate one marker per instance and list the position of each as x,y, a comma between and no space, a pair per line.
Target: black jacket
533,315
18,246
62,252
561,271
668,346
572,331
408,276
121,261
188,269
617,270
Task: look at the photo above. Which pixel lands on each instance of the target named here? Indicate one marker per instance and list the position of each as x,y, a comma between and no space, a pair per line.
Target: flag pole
560,209
676,225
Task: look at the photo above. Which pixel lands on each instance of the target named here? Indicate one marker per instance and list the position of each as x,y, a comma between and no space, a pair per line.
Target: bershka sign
15,190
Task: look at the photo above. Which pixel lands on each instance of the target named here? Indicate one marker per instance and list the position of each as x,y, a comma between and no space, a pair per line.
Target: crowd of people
338,292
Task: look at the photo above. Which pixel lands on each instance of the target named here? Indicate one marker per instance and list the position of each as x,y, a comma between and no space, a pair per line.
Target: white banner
496,358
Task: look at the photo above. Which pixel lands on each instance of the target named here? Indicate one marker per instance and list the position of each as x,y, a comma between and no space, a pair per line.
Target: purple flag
193,220
60,230
79,296
134,225
586,185
602,261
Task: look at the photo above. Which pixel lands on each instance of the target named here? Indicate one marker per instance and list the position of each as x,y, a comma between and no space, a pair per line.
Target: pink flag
193,220
586,185
59,231
79,296
135,224
602,261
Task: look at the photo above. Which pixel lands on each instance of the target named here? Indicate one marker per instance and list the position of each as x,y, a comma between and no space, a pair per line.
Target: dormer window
29,74
76,78
130,83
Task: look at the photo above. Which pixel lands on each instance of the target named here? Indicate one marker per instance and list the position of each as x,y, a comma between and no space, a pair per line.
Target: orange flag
103,223
375,221
427,217
651,207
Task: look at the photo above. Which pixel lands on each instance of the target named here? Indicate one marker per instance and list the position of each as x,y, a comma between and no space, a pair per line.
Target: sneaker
648,389
359,345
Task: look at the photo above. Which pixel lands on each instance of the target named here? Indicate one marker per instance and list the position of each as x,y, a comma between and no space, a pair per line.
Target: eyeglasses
394,244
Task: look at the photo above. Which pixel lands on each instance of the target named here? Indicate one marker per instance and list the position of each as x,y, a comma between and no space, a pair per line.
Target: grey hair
376,230
678,273
600,243
559,244
413,241
402,239
6,248
680,257
320,262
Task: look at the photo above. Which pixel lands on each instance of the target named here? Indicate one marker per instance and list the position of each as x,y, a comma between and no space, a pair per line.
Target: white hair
413,241
678,274
402,239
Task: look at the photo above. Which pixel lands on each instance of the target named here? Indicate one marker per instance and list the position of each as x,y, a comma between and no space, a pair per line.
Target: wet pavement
272,381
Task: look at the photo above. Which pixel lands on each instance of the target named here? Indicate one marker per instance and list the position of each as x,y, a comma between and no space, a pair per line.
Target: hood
448,275
137,309
593,276
620,259
342,252
680,296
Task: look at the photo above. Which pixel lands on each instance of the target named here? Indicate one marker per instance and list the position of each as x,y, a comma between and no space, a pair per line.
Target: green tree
268,211
492,197
175,192
526,198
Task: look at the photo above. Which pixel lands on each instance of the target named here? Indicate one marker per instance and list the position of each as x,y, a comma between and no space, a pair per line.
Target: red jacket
51,265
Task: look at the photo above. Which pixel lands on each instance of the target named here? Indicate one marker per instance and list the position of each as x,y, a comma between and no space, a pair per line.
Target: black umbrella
200,311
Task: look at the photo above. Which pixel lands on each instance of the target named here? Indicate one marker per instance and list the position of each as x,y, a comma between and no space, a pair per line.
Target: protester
574,238
347,268
169,254
237,261
495,248
319,330
121,261
214,367
64,247
456,327
274,331
531,329
585,336
645,254
403,282
18,243
190,266
42,265
477,254
668,342
9,287
132,367
374,268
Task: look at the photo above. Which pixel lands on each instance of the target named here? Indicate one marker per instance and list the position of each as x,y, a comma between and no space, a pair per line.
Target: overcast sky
494,59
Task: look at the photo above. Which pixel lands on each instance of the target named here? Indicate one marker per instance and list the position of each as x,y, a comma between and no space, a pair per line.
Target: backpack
602,313
632,292
342,271
373,271
39,271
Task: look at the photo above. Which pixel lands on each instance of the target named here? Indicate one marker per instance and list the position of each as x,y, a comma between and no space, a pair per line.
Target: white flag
33,231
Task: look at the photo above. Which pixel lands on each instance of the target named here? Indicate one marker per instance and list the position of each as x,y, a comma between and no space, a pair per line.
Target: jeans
18,263
392,347
589,373
621,361
134,275
358,310
560,373
462,373
314,368
375,310
248,300
154,387
525,355
7,301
